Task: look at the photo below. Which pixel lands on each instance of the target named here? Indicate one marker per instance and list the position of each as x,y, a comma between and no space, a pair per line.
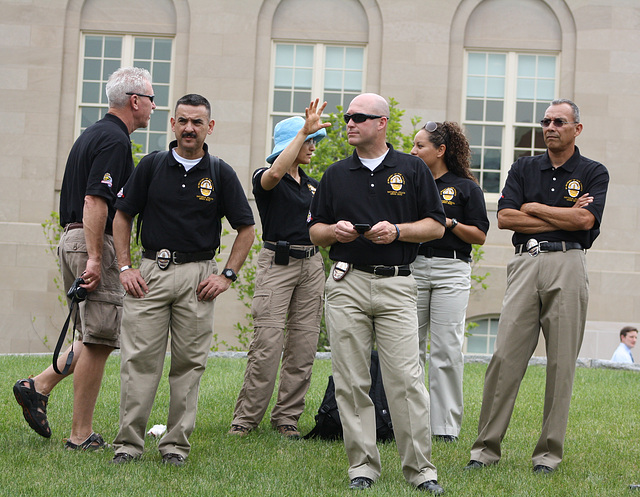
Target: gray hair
574,107
126,80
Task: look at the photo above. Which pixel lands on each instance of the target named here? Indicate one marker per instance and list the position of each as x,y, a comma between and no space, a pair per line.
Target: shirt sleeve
475,210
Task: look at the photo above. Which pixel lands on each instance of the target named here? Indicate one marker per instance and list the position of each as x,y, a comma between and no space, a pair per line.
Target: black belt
295,253
384,270
551,247
183,257
446,253
75,226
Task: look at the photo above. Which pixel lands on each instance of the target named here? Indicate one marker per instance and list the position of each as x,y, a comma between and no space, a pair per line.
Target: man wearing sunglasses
373,209
99,164
553,203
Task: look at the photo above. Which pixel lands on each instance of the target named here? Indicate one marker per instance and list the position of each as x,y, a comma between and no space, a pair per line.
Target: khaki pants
548,291
443,295
360,308
290,295
171,308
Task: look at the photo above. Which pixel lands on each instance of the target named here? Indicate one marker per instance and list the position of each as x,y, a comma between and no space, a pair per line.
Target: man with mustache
553,203
183,195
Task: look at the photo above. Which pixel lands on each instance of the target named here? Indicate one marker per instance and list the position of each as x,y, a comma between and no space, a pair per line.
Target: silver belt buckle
533,247
163,258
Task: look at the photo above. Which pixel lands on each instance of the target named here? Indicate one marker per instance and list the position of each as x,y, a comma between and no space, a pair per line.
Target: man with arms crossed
371,294
553,203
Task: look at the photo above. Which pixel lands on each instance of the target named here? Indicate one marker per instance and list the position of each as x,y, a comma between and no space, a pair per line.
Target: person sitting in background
628,338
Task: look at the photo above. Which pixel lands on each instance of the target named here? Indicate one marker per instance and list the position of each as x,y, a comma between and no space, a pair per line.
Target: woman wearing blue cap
289,281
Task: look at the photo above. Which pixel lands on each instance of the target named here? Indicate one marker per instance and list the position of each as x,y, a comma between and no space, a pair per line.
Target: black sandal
93,442
34,406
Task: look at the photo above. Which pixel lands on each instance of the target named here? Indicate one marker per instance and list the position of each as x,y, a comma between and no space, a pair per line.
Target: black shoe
473,464
445,438
431,486
634,486
173,459
360,483
541,469
122,458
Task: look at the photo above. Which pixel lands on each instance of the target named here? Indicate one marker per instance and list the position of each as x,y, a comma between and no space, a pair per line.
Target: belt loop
455,254
395,270
564,246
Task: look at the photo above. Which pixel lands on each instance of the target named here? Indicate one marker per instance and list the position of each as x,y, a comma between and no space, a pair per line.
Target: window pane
161,72
91,69
527,66
496,65
476,158
284,55
539,138
144,65
493,136
475,110
332,80
333,100
477,63
93,46
334,58
492,159
526,89
282,101
541,107
353,58
113,47
353,81
304,55
474,134
139,137
476,344
157,141
91,93
283,78
109,67
495,87
523,137
546,67
88,116
162,49
475,86
159,120
303,78
491,182
162,95
546,89
524,112
143,48
301,101
494,110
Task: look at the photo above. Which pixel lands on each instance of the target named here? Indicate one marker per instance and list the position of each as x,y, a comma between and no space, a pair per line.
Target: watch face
228,273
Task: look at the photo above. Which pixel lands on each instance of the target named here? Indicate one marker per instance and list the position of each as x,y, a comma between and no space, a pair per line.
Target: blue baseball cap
286,131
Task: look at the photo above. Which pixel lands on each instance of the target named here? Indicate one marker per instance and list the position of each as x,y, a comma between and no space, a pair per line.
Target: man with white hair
99,164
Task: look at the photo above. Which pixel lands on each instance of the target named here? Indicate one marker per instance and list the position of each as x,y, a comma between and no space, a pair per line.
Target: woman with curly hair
443,271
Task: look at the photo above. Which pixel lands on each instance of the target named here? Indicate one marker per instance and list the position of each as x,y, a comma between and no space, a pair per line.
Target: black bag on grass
328,425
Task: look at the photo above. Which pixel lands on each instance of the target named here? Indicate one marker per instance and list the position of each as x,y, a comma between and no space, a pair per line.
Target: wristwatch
454,223
124,268
230,274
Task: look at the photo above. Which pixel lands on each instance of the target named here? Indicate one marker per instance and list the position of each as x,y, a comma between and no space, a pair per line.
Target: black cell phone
362,228
282,253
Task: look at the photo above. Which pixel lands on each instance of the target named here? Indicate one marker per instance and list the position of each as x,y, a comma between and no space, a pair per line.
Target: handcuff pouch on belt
533,247
163,258
282,253
340,270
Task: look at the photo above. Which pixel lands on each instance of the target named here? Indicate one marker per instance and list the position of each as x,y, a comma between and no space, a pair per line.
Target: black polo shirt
463,200
181,208
285,208
99,164
533,179
400,190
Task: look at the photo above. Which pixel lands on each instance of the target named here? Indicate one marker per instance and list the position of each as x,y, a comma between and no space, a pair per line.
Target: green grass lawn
601,449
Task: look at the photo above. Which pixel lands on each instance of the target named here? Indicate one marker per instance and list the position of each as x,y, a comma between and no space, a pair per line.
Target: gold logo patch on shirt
448,195
205,185
396,181
574,188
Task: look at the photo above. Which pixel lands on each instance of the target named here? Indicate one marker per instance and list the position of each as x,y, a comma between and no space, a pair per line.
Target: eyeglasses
150,97
431,126
558,123
359,118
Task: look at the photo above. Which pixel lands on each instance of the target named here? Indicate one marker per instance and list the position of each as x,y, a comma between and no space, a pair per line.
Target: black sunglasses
358,117
558,123
150,97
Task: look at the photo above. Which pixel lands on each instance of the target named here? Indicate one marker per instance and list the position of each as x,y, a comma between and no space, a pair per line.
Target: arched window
482,335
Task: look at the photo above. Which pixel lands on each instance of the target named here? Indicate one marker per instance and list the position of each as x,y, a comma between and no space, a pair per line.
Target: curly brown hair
457,154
